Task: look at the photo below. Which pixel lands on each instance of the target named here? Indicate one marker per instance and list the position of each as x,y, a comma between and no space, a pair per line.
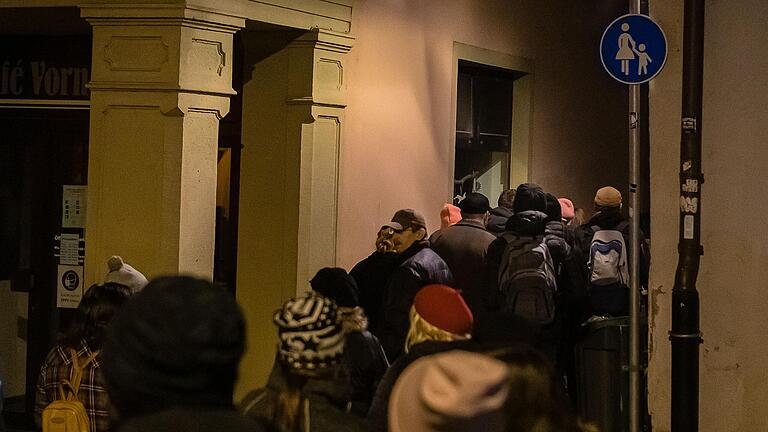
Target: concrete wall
733,385
398,143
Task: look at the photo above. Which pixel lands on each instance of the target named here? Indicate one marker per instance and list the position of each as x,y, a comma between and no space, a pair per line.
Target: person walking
364,357
308,388
440,320
608,279
464,247
171,359
499,216
418,266
371,276
81,344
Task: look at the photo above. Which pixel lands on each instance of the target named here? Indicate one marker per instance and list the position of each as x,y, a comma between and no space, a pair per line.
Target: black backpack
527,279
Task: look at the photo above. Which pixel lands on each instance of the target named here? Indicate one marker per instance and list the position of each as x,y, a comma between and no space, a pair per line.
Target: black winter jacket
498,221
371,276
559,248
325,398
419,266
365,359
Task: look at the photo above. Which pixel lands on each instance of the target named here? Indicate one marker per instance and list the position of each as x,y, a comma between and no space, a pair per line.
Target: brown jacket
464,247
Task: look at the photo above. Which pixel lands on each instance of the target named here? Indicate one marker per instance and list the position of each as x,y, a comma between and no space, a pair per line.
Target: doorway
44,150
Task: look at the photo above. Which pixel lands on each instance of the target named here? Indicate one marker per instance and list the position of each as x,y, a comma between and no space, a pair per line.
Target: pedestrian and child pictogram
633,49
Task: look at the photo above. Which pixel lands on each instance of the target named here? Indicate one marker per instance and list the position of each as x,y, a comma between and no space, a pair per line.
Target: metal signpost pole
633,51
634,233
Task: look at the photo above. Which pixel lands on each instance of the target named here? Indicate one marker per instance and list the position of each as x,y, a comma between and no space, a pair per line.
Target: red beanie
443,307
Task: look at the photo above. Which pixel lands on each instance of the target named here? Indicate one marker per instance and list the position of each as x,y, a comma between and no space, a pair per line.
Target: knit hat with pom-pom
122,273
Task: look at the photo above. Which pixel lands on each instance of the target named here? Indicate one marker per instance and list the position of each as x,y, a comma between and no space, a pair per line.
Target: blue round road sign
633,49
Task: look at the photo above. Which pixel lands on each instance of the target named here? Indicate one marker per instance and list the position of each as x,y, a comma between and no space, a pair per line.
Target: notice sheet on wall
73,206
69,249
70,286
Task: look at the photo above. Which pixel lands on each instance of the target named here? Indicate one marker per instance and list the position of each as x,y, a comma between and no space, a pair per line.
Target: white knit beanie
122,273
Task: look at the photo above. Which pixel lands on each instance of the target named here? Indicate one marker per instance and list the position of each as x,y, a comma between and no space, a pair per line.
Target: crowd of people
469,328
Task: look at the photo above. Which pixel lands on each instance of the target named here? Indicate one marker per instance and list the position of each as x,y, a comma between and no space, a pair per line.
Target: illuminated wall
733,385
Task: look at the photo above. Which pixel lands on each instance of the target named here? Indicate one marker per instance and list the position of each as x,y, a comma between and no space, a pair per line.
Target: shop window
483,130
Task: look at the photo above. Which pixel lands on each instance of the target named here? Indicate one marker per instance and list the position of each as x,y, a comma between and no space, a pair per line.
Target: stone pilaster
316,102
161,81
293,112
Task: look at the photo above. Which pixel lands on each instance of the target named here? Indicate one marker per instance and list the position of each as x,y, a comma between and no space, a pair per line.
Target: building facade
334,114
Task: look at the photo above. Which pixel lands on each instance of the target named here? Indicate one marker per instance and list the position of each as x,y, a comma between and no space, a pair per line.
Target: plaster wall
398,142
733,386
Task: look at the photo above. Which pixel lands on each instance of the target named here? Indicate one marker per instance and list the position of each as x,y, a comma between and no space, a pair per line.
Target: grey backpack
527,279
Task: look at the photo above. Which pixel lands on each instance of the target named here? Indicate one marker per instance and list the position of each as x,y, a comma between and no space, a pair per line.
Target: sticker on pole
633,49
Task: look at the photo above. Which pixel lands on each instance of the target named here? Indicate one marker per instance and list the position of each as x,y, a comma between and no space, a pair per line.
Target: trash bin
602,362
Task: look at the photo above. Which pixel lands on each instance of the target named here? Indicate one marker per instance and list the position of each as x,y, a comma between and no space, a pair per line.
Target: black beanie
337,285
529,196
176,343
554,211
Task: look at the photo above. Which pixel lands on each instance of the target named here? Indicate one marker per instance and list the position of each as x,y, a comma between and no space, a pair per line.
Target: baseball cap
407,218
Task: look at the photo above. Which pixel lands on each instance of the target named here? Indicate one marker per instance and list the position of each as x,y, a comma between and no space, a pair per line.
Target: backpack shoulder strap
76,375
622,226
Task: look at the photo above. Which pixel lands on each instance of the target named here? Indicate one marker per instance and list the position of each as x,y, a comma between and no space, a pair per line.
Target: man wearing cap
607,216
418,266
464,248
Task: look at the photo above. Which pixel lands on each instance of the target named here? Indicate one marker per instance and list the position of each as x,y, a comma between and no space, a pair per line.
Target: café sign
45,67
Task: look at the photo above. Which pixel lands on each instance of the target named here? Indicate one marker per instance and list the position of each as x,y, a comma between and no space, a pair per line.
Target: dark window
483,129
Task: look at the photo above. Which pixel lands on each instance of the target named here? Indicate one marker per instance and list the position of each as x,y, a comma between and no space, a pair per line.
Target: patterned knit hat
310,334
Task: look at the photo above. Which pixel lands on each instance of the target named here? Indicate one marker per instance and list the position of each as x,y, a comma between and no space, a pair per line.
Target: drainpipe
685,334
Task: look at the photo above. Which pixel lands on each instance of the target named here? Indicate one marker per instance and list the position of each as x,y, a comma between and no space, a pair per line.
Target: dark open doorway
43,150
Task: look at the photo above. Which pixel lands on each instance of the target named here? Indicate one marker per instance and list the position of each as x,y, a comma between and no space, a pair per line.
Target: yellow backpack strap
76,375
62,394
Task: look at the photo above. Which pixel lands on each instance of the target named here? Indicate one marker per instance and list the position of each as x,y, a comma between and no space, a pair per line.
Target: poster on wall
70,286
73,206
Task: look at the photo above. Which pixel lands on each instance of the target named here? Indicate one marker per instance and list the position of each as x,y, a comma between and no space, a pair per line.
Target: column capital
160,13
316,73
325,40
161,47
